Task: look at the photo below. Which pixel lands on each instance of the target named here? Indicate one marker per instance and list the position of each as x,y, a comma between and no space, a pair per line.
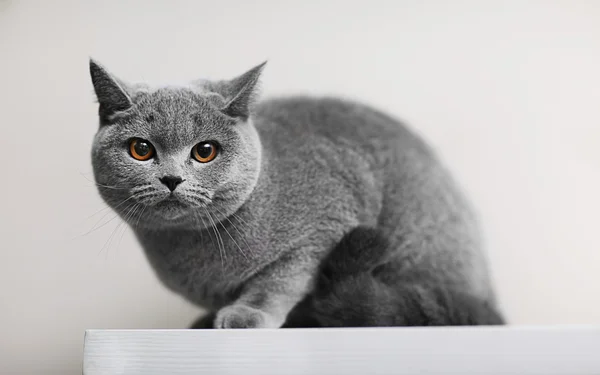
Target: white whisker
101,185
242,235
212,241
110,238
130,216
234,241
97,212
96,227
218,236
140,216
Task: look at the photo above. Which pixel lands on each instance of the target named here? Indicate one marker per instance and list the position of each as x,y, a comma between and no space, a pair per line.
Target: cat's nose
171,181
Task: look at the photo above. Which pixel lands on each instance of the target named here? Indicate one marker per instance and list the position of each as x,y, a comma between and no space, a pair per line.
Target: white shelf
369,351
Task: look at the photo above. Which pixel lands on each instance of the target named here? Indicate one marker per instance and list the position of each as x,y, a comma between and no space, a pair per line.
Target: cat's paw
242,316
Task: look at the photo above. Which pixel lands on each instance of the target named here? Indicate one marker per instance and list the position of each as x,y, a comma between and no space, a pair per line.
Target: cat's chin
172,210
173,216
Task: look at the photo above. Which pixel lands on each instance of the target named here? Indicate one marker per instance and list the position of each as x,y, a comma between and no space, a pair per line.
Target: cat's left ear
243,93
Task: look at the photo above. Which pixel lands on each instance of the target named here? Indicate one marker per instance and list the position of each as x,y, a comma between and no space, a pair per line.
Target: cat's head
175,155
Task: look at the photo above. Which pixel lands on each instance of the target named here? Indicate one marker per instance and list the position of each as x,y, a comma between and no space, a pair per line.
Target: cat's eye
205,151
141,149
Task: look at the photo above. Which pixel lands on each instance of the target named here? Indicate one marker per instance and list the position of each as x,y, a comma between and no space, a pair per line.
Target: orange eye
205,151
141,149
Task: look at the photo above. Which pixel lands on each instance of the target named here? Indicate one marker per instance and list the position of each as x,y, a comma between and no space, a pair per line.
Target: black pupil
141,148
204,150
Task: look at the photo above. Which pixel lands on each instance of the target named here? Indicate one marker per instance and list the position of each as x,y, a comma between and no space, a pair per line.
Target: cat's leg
360,250
268,298
266,301
440,305
206,321
301,316
363,300
351,290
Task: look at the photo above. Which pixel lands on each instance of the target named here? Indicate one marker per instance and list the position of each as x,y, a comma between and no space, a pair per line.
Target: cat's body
308,172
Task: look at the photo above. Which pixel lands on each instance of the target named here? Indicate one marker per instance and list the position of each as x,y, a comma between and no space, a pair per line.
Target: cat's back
338,120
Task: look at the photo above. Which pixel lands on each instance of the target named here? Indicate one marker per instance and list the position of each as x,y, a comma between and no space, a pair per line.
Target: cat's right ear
110,92
242,93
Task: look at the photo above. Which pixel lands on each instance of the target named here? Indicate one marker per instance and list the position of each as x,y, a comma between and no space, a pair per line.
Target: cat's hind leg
362,301
359,251
349,291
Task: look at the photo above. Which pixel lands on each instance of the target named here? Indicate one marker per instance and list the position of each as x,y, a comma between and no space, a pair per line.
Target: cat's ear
242,93
110,91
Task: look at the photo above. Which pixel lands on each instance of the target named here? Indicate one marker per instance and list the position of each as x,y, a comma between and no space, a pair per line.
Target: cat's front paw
243,316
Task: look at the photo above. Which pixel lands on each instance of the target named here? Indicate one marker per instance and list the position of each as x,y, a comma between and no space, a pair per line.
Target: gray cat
238,202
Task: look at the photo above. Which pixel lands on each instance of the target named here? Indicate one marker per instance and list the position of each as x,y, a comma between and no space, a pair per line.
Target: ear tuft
110,93
243,93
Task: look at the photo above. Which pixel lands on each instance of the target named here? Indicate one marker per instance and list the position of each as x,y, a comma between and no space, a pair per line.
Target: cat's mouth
172,207
175,206
172,200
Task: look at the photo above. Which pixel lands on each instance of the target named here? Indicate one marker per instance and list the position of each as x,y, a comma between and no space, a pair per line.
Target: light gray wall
508,91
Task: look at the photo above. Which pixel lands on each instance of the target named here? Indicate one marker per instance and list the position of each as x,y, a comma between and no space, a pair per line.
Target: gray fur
351,292
244,235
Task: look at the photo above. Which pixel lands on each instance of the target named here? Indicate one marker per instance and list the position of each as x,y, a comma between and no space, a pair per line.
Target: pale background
507,91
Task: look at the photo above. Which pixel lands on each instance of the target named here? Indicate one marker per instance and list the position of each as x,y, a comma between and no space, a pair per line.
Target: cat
236,202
